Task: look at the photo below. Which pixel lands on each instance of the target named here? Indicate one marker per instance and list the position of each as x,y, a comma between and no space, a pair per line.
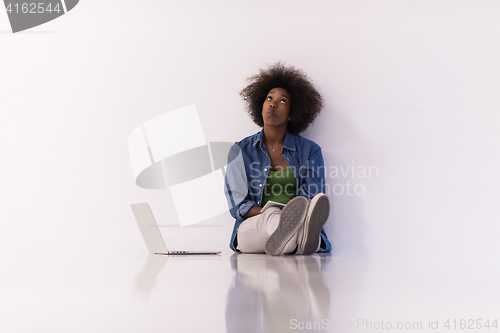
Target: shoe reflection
270,293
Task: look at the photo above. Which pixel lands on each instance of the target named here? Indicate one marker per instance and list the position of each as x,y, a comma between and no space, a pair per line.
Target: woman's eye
269,98
283,101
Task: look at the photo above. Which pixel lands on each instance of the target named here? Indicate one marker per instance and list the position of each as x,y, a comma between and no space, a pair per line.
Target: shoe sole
291,218
315,220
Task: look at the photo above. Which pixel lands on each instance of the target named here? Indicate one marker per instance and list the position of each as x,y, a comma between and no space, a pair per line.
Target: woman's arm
236,187
255,210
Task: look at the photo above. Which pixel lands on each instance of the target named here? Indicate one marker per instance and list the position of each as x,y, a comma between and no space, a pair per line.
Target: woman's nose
273,105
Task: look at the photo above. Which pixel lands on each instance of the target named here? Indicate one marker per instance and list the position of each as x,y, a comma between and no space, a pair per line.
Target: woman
278,165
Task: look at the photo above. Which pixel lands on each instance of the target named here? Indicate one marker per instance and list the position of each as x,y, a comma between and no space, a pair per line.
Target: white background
410,87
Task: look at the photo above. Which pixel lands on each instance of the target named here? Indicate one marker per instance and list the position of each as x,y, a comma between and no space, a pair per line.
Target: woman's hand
255,210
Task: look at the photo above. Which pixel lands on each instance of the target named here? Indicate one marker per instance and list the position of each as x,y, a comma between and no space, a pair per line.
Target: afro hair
306,102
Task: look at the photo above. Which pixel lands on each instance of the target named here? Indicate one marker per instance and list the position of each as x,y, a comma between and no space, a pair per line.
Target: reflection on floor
318,293
250,293
270,291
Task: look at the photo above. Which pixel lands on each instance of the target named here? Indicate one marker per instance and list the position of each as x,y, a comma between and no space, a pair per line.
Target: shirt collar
288,144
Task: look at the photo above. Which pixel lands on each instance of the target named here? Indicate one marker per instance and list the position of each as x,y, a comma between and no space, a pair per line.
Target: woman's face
276,108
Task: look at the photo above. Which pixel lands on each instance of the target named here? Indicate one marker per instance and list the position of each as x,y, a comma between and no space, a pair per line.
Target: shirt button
265,169
260,185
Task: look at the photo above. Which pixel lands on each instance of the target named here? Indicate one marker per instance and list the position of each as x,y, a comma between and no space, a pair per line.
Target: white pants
254,232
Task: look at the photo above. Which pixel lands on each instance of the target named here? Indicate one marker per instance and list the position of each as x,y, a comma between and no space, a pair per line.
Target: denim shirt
248,167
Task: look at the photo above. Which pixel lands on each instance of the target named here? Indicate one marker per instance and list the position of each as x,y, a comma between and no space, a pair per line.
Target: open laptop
151,233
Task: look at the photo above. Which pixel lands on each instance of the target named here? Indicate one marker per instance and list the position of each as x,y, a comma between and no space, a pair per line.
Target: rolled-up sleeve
243,209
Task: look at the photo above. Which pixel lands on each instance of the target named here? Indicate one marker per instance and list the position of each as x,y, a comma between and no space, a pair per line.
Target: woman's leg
310,234
284,238
254,232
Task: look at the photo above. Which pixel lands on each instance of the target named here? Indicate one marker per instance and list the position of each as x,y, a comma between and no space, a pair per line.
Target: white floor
248,293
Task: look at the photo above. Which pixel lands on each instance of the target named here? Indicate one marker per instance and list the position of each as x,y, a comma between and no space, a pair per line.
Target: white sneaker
316,217
291,220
